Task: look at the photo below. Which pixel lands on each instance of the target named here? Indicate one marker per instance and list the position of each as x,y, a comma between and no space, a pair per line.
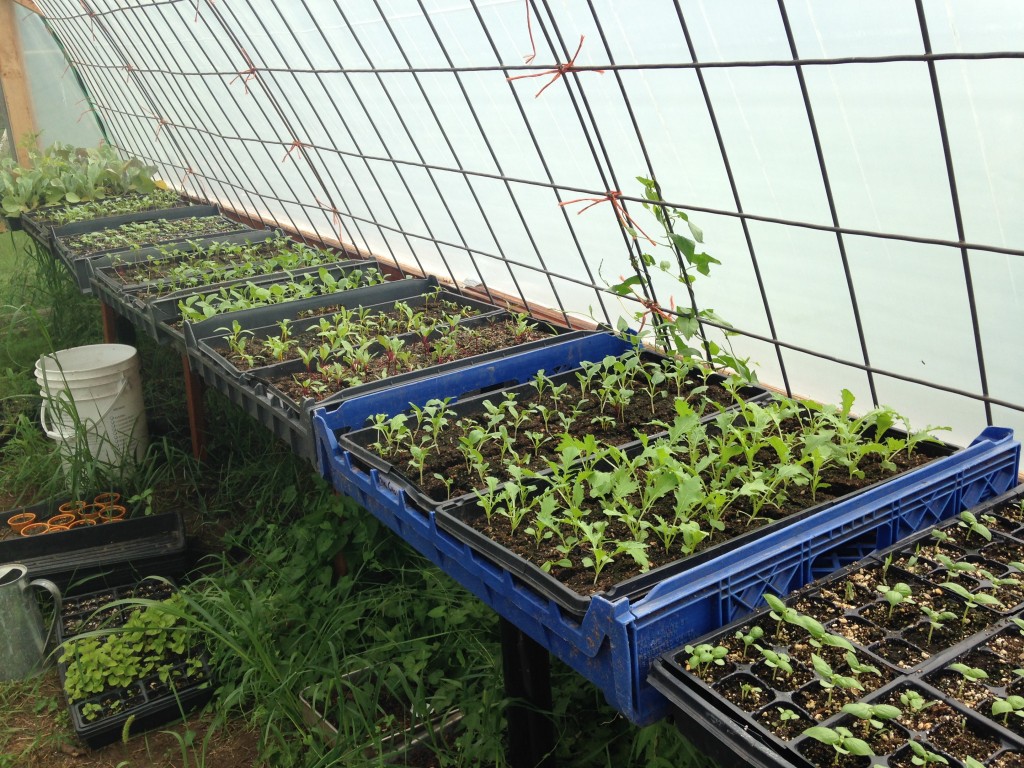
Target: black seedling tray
78,265
729,732
292,422
42,232
145,703
103,269
357,442
453,519
212,347
262,378
110,553
159,317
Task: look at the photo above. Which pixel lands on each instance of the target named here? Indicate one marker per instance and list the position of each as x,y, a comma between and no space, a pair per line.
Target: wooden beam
30,5
13,80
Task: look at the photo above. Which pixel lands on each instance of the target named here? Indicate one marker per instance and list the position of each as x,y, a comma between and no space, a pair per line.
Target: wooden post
13,81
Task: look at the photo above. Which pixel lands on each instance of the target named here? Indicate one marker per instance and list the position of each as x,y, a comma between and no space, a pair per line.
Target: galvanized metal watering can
21,626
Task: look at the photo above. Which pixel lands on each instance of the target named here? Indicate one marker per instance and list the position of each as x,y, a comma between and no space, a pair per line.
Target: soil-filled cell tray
667,489
39,224
168,677
462,458
797,679
394,308
153,271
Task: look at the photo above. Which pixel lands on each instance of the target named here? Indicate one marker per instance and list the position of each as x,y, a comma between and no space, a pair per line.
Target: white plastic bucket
94,391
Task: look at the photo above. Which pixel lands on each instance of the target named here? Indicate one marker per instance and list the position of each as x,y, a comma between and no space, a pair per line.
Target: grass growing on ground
271,600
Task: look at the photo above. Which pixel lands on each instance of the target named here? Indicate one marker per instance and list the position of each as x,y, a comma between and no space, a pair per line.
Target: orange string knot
559,71
612,196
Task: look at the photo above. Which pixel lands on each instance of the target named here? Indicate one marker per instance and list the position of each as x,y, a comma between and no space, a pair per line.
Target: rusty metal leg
116,329
194,389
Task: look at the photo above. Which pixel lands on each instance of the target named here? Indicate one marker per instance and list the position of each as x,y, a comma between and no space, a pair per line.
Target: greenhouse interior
310,308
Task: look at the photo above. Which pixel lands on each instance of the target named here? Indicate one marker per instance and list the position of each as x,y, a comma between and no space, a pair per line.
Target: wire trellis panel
854,165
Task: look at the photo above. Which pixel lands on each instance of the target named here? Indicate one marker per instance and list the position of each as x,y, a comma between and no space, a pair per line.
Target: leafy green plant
971,599
1011,705
966,672
62,174
830,680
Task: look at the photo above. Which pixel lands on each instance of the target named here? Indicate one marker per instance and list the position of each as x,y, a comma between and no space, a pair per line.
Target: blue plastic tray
616,641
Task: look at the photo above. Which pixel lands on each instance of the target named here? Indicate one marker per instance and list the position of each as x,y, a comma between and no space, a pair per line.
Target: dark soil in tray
305,333
737,521
466,342
182,269
132,203
146,233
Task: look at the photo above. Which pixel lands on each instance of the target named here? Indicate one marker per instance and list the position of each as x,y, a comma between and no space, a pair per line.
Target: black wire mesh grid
852,167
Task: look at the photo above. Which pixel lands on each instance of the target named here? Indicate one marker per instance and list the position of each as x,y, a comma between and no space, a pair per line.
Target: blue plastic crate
615,642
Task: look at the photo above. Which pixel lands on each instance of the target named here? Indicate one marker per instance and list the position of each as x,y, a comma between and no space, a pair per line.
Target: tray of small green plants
40,222
913,657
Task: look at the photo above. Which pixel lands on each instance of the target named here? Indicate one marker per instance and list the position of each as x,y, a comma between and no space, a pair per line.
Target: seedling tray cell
614,642
84,558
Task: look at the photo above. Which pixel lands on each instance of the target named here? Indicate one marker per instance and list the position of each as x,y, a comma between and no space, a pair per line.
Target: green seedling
859,668
915,702
786,714
972,525
923,756
895,595
749,638
936,619
748,690
971,599
974,674
705,656
871,715
776,662
841,740
1011,705
830,680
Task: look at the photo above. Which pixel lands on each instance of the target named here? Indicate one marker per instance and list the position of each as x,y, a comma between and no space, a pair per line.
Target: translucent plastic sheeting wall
854,164
59,105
